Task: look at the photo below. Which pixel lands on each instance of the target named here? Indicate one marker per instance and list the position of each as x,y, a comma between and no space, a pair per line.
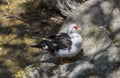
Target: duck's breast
66,53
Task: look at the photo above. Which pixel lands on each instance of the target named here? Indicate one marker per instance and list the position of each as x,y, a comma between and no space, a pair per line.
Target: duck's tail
35,45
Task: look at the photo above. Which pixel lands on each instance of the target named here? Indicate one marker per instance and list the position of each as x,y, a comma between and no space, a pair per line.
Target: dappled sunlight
21,24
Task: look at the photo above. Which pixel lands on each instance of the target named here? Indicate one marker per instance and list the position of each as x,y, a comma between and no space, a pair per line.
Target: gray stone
47,57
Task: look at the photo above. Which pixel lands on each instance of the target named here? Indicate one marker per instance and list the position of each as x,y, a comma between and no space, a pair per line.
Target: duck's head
41,45
73,28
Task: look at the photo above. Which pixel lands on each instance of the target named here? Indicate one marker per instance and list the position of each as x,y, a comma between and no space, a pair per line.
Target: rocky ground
100,23
23,23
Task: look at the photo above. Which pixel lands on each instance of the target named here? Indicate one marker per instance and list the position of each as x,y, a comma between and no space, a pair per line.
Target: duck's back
61,41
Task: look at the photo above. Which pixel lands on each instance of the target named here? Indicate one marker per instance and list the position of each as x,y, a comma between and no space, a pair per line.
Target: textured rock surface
100,25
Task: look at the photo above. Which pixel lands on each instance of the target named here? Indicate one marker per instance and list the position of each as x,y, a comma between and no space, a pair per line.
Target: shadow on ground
19,29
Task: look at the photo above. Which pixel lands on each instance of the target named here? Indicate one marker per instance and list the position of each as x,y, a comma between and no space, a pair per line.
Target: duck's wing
66,42
62,40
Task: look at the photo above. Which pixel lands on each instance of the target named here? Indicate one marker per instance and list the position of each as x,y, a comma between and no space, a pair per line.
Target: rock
40,70
115,73
115,27
96,20
47,57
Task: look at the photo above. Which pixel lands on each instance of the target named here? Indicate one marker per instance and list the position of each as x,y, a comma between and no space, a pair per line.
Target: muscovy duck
63,44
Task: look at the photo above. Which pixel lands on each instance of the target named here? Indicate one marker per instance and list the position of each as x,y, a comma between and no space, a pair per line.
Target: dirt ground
23,23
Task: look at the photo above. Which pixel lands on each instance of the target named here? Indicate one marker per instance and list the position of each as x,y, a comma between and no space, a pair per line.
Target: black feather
62,41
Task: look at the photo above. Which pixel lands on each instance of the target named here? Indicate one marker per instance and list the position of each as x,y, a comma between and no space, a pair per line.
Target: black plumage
62,40
55,42
43,44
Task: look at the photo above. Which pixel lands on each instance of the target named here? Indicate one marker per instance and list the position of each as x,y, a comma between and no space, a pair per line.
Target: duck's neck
69,32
